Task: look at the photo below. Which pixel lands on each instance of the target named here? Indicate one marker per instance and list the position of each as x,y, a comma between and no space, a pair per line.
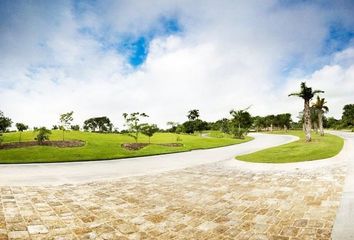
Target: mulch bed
138,146
60,144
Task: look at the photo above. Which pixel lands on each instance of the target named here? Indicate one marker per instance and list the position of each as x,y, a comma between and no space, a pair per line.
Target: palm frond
294,94
317,91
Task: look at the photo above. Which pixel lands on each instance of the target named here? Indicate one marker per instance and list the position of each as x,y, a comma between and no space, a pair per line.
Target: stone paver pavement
205,202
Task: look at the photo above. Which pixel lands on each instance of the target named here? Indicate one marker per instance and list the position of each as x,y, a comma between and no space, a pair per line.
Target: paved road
79,172
343,228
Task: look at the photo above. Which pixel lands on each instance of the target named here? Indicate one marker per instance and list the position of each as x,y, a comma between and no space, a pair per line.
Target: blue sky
165,57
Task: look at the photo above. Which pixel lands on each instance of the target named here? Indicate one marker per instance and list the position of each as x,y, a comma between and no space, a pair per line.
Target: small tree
149,130
348,115
43,135
193,114
75,127
173,128
240,123
102,124
132,122
5,122
65,121
21,127
306,93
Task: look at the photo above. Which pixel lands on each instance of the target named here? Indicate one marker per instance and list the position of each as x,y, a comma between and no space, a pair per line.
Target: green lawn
298,151
103,146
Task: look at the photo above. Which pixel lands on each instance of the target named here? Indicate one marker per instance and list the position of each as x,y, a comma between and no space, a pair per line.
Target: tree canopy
101,124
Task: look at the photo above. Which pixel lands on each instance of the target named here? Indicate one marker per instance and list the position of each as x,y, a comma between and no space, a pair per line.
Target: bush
239,133
43,134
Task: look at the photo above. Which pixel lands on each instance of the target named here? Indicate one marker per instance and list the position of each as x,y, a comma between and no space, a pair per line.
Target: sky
164,58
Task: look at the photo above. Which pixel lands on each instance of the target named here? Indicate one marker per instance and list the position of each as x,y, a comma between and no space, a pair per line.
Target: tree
193,114
21,127
321,108
149,130
5,122
348,115
240,123
283,121
173,126
102,124
333,123
132,122
75,127
65,120
307,94
43,135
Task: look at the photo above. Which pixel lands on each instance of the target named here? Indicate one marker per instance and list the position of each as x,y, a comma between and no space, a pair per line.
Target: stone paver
205,202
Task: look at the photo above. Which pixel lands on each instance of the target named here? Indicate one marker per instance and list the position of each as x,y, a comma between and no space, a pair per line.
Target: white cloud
230,55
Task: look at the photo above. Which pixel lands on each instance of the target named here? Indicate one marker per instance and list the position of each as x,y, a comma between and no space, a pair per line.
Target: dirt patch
171,144
134,146
138,146
61,144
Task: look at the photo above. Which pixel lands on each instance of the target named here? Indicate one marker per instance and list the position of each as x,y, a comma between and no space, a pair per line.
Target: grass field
103,146
298,151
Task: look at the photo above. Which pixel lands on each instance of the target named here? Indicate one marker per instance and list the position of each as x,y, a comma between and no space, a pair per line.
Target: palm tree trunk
307,120
315,126
320,122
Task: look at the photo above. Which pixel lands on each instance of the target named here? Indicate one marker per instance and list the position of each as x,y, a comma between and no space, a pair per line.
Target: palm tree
321,109
307,94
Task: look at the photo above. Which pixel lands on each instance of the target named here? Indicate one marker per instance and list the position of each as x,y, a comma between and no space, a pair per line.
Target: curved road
88,171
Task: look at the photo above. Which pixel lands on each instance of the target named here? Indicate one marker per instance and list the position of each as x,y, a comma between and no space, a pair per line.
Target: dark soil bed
138,146
61,144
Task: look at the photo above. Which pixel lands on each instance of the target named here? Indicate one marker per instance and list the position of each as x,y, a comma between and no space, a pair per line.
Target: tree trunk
20,136
307,120
315,127
271,127
63,133
320,122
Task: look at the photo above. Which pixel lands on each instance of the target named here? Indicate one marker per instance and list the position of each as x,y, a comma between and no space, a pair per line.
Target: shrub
239,133
43,134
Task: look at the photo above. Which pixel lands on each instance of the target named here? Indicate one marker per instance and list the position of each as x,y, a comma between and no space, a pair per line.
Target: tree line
237,124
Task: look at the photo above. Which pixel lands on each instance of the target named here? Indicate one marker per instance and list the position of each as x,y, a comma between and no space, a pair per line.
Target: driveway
212,198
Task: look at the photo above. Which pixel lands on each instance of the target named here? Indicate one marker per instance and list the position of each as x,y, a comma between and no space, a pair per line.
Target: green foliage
192,126
75,127
65,121
43,134
306,93
348,115
193,114
100,124
149,130
5,122
1,138
240,123
298,151
132,121
173,126
21,127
